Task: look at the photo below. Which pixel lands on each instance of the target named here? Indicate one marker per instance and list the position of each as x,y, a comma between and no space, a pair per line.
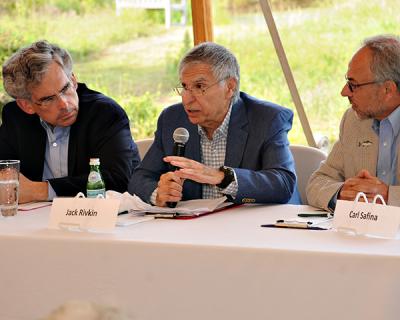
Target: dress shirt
213,155
56,155
388,133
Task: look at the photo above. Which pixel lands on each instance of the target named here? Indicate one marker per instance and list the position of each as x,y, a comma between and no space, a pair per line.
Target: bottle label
94,176
95,193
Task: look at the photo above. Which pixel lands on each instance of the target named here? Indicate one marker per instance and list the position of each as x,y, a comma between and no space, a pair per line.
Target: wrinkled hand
32,190
169,189
193,170
363,182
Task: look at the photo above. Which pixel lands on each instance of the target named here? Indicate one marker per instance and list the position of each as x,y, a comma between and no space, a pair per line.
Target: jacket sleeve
330,176
275,181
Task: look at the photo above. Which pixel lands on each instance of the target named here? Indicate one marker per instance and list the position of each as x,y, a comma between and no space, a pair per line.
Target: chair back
143,146
307,160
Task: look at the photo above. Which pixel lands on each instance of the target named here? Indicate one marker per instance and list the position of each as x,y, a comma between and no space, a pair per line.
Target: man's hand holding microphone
170,185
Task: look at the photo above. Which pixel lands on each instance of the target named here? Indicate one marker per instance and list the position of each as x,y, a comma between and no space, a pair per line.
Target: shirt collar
393,118
46,125
50,128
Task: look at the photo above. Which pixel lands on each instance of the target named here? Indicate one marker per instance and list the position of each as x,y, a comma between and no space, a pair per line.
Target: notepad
183,209
33,205
194,208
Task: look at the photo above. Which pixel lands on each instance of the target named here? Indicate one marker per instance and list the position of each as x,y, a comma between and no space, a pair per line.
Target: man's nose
346,92
62,102
187,97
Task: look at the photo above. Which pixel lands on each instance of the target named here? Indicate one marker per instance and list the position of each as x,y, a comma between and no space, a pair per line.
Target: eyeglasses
354,86
46,102
199,89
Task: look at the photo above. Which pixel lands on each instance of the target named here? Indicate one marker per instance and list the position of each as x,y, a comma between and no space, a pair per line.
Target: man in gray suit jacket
365,158
237,146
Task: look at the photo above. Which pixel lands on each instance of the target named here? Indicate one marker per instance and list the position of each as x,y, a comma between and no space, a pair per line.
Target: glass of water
9,183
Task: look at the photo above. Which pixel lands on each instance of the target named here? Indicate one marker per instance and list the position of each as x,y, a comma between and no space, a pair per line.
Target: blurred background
133,57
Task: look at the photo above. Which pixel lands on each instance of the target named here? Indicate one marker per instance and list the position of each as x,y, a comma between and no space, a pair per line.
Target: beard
368,112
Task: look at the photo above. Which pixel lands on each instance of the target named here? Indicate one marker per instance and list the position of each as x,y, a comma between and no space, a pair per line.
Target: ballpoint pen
313,215
294,225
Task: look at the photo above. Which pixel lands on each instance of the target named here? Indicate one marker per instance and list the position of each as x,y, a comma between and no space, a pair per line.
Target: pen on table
123,212
306,227
313,215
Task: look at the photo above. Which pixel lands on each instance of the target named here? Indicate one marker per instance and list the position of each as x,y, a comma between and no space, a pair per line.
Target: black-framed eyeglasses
354,86
46,102
199,89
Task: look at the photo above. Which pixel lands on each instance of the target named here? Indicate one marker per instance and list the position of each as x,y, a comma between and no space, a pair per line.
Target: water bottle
95,184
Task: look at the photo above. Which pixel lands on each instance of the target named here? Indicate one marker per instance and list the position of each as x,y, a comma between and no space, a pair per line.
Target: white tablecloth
221,266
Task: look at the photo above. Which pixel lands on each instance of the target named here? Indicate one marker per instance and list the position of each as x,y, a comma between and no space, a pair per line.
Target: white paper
130,219
190,207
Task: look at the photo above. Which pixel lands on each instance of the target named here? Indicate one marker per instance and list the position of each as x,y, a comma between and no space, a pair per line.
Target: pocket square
365,143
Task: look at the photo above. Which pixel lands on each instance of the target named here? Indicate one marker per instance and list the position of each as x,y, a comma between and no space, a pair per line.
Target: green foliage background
319,37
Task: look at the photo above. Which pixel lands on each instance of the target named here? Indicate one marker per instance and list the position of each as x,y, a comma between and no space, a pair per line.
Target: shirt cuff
232,188
332,202
153,197
52,194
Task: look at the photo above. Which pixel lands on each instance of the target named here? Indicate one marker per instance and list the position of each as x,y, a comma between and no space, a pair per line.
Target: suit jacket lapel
192,190
237,135
368,147
193,145
37,146
73,147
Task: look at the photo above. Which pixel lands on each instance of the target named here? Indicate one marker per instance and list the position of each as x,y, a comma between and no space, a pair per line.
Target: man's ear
74,80
231,85
25,106
390,89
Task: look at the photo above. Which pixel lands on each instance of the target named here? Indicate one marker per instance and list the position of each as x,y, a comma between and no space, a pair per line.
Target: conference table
220,266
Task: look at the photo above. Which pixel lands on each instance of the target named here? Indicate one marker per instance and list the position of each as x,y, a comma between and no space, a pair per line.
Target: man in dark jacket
55,125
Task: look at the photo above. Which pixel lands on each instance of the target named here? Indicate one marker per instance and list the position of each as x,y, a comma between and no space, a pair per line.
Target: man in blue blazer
237,144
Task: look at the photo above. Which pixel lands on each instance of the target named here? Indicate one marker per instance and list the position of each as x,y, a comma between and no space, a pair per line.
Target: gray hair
385,63
222,62
26,68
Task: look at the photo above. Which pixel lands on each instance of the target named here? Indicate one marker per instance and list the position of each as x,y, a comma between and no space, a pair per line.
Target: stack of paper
134,204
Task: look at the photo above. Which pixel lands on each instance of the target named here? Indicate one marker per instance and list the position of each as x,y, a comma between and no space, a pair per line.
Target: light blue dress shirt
56,155
388,131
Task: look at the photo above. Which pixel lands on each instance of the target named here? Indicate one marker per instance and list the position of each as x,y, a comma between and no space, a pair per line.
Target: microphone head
181,135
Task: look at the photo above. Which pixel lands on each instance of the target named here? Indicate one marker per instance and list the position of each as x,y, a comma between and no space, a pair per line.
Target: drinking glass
9,184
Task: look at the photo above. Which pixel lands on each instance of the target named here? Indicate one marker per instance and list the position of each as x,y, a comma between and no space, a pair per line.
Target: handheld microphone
180,136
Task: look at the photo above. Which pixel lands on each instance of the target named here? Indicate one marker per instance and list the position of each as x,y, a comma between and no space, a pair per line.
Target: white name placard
84,214
367,218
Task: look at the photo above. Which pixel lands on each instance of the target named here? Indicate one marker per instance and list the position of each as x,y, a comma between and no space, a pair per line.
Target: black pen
313,215
305,227
123,212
